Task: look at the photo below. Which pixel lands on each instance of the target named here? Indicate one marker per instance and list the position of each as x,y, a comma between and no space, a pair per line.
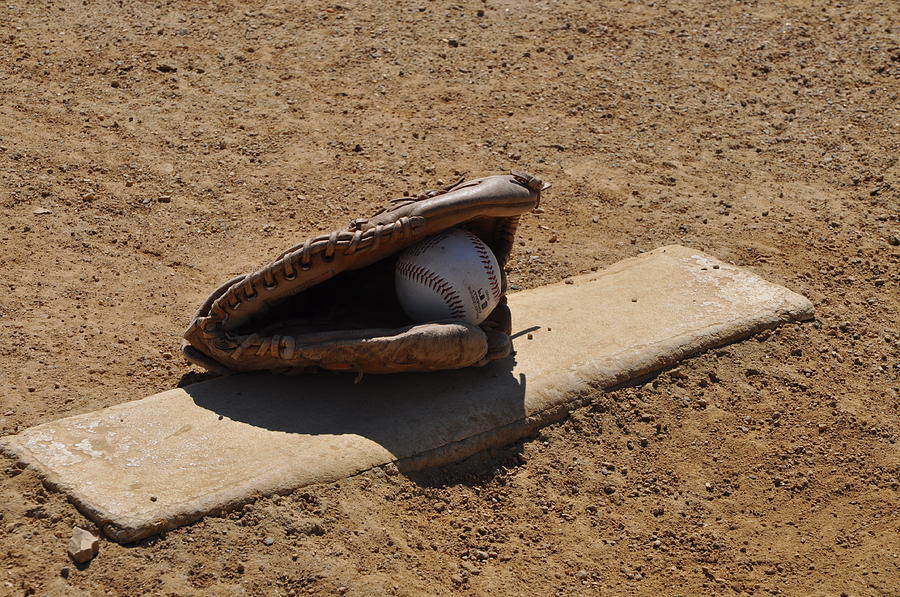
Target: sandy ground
150,150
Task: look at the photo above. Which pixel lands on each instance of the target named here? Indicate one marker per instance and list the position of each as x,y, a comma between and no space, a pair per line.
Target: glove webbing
321,247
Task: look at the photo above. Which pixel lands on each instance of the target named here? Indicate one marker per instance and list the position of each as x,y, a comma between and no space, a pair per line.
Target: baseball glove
329,302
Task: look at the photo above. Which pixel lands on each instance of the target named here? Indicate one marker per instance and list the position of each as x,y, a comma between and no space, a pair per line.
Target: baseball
451,275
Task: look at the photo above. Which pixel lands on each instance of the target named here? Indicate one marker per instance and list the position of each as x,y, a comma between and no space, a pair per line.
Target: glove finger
428,347
500,319
499,347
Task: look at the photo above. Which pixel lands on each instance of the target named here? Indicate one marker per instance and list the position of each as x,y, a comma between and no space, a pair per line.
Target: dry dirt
150,150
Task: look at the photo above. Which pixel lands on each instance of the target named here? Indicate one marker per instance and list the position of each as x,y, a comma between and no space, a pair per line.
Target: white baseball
451,275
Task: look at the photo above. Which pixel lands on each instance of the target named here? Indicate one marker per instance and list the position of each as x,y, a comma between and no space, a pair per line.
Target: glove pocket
427,347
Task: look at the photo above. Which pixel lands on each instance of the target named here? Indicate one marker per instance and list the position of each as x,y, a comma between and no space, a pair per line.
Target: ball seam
486,263
436,283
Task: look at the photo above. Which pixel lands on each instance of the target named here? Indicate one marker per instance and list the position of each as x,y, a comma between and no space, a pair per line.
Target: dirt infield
148,151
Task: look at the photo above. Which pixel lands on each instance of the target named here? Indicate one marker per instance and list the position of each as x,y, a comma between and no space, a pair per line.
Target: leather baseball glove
329,302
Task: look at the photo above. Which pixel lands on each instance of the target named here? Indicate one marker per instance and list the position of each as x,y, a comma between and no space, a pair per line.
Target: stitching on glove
404,201
324,246
451,297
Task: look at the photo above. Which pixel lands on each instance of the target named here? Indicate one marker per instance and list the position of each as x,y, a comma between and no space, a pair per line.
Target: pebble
41,211
165,67
64,572
894,240
481,555
268,541
83,545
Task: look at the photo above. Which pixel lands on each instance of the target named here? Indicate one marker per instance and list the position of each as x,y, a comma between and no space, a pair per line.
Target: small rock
64,572
894,240
454,43
165,67
83,545
165,199
677,373
268,541
481,555
41,211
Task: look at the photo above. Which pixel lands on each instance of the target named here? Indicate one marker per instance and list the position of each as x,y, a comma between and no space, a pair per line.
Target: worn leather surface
222,336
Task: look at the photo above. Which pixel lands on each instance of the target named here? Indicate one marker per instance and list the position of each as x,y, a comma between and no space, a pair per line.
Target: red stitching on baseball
440,285
486,264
